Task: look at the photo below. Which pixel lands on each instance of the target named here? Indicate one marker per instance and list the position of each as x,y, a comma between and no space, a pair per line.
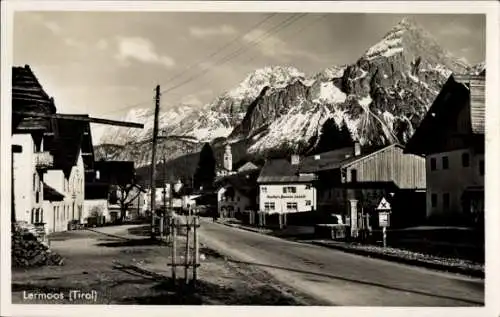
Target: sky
106,63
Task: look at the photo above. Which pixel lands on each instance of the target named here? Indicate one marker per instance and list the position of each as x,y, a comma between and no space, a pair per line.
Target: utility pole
164,185
153,162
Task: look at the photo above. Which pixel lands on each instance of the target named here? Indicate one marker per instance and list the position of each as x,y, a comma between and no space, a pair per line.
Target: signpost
384,211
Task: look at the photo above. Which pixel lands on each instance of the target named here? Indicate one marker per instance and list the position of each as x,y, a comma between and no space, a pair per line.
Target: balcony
43,160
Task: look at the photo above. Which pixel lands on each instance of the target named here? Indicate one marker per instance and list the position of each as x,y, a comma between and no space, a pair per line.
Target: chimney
357,149
295,159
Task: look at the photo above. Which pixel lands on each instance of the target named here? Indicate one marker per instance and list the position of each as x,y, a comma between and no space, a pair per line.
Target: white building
451,137
29,165
231,201
283,189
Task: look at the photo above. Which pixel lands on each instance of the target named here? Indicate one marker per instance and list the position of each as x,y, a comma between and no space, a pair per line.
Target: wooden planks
81,118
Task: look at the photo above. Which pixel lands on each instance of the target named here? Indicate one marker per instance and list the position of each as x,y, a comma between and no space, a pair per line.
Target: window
308,186
263,189
291,206
269,206
97,175
446,201
465,160
34,182
434,200
354,176
445,162
433,164
289,189
308,203
481,167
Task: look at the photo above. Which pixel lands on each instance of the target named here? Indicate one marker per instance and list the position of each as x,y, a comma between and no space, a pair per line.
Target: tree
345,138
205,172
126,195
333,137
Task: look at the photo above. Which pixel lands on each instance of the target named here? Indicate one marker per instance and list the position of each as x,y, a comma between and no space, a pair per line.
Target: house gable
65,143
454,121
282,171
28,95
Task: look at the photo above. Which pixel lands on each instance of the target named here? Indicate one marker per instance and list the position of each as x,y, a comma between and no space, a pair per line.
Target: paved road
338,278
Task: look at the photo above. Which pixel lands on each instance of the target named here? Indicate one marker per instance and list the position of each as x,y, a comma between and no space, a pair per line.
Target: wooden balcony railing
43,160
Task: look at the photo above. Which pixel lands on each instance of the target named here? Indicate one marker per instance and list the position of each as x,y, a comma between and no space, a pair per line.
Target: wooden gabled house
352,183
451,138
30,160
70,143
51,152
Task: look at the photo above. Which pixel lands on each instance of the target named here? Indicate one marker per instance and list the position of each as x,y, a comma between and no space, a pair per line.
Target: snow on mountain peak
273,76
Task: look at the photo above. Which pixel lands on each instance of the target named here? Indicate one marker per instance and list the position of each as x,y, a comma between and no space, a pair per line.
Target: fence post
161,226
174,248
186,258
196,250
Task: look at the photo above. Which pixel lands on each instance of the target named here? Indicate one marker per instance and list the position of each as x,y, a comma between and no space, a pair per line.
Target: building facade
451,138
30,160
29,163
284,188
351,183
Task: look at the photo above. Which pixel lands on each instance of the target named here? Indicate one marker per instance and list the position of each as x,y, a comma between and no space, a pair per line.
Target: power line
217,51
280,26
287,22
228,44
296,33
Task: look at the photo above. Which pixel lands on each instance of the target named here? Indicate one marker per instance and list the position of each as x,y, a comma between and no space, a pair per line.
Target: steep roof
51,194
97,190
282,171
446,108
66,142
245,182
354,159
248,166
29,95
115,172
325,161
335,159
476,86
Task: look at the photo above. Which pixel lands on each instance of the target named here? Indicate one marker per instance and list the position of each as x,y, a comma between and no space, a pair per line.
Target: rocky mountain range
381,97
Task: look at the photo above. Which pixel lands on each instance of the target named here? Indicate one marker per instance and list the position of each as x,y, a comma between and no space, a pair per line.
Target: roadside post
384,211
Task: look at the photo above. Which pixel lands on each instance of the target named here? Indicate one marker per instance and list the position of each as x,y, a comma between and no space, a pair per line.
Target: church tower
228,158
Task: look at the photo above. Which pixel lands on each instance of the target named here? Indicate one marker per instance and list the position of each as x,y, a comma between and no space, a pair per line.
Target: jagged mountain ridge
381,97
211,121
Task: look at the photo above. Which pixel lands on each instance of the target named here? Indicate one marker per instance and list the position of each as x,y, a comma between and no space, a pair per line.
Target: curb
392,258
381,256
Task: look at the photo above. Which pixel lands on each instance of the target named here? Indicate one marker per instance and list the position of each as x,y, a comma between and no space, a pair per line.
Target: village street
339,278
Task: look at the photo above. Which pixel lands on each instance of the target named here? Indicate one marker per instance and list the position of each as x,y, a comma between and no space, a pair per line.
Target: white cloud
219,30
53,27
142,50
73,42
